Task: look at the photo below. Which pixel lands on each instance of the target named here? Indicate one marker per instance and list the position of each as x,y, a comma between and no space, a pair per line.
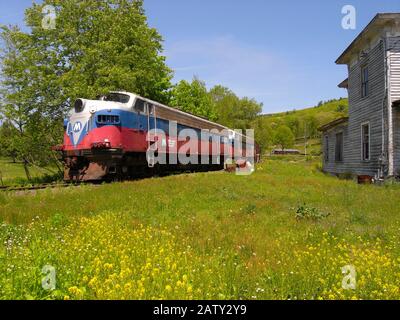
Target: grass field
13,173
284,232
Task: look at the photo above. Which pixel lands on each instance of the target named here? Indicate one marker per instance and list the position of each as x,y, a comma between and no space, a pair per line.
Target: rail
38,187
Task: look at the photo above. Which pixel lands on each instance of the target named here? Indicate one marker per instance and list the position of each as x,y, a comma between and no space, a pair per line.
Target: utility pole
305,139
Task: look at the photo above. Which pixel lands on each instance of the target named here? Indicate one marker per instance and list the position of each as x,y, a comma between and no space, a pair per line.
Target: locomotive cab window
117,97
140,105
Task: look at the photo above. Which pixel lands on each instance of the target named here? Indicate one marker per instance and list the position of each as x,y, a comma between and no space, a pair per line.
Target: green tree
100,45
311,126
263,133
7,144
225,104
293,123
284,137
193,98
247,112
232,111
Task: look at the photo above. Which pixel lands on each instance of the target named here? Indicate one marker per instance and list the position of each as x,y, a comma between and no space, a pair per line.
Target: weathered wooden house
367,142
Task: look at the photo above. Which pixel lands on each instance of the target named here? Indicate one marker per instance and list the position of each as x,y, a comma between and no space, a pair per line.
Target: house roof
370,31
333,123
344,84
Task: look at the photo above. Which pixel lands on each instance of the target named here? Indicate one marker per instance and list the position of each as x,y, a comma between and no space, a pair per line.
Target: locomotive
121,135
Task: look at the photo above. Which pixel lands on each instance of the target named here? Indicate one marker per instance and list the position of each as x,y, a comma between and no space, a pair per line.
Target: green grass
14,173
205,235
324,113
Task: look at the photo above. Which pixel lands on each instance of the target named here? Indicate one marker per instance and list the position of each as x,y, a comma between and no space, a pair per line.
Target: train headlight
79,105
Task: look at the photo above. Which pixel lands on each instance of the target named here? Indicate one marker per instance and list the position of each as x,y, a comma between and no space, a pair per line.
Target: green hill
322,113
303,123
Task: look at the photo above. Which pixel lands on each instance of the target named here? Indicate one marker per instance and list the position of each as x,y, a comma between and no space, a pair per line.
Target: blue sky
281,53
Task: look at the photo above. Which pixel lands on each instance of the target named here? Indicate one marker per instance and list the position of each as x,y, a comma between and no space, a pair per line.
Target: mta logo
77,127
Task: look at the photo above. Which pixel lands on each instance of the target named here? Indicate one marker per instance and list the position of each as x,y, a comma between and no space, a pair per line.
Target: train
122,135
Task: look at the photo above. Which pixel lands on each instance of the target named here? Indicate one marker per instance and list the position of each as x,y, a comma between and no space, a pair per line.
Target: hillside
322,113
302,123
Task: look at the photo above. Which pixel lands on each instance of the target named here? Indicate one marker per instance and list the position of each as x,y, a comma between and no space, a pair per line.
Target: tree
284,137
232,111
17,103
341,108
263,133
294,124
226,103
311,126
193,98
247,111
96,46
102,45
7,143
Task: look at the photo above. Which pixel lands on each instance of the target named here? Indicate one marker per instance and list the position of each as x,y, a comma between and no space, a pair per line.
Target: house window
326,148
365,147
339,147
364,81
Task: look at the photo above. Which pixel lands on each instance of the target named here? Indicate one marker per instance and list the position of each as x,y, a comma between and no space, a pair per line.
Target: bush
309,213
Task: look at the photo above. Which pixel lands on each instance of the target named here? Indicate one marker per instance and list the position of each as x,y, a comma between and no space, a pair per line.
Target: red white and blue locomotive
109,139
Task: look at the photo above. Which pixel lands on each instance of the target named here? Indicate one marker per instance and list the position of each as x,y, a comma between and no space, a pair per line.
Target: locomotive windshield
117,97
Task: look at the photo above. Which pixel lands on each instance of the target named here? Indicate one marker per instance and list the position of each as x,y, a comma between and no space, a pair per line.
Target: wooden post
305,139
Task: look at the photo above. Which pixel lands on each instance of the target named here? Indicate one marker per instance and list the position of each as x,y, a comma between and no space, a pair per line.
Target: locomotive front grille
108,119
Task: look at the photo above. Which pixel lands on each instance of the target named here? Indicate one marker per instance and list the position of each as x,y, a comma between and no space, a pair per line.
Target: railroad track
37,187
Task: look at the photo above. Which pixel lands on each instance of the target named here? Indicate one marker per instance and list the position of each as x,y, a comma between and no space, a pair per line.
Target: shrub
310,213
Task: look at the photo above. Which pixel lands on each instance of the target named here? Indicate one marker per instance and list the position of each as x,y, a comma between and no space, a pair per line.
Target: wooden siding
396,140
394,60
367,109
361,110
331,165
